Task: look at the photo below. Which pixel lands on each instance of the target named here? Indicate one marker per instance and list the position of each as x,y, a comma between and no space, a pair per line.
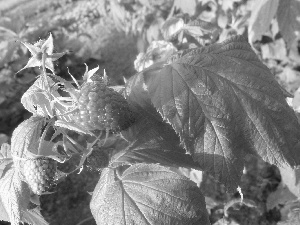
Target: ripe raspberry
102,108
39,173
97,160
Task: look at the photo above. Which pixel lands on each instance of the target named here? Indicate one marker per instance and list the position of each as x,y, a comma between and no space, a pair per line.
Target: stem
44,56
44,134
85,220
247,202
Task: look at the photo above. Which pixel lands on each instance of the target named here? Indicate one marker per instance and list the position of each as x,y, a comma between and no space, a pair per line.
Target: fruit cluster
102,108
39,174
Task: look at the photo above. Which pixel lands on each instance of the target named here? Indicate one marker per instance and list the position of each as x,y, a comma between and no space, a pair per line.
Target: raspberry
39,173
102,108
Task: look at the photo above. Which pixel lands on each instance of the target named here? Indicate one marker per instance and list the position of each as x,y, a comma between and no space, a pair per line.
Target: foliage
202,99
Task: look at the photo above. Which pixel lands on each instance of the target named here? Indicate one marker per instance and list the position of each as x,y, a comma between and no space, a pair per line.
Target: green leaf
188,7
288,16
280,197
5,159
5,151
137,94
28,140
72,126
37,99
147,194
26,137
7,52
171,28
118,13
290,178
200,27
14,196
3,214
34,217
158,51
224,103
152,151
293,217
263,11
151,139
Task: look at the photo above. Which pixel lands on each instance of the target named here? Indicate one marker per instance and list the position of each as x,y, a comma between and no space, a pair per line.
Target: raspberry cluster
39,173
102,108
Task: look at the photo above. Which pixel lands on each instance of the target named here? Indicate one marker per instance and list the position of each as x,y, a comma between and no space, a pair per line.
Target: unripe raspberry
102,108
39,173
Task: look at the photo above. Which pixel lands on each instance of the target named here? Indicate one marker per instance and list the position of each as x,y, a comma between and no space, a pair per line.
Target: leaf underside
140,196
225,103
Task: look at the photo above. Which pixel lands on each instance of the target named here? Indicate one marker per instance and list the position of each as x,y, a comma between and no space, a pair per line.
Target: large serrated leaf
224,103
288,16
262,13
147,194
15,195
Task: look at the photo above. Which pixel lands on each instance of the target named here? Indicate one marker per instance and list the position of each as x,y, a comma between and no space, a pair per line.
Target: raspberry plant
203,108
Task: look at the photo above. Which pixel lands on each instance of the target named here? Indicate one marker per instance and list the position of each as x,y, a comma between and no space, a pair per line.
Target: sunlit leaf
14,196
28,140
262,13
37,98
188,7
72,126
34,217
171,28
288,17
293,216
147,194
158,51
26,136
5,159
224,103
153,143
